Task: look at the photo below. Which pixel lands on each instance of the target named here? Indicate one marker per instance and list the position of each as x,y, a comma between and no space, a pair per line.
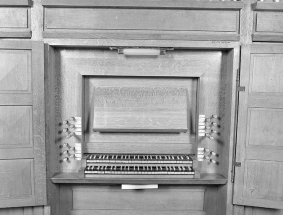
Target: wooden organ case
141,121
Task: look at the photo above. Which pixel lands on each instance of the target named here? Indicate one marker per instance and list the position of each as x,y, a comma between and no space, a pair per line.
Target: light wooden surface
263,20
15,3
15,120
39,210
165,198
22,125
15,71
144,35
129,19
259,179
181,4
267,6
14,19
184,20
129,212
74,178
140,109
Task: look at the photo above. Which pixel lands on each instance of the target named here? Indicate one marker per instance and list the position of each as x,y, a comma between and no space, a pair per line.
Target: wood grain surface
140,109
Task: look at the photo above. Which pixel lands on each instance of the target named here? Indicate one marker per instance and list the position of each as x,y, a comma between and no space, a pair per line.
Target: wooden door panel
264,127
15,71
259,178
267,73
16,179
22,125
263,180
15,126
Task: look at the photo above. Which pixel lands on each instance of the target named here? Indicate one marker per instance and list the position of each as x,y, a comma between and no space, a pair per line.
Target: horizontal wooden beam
13,34
258,37
178,44
73,178
16,3
165,4
262,6
145,35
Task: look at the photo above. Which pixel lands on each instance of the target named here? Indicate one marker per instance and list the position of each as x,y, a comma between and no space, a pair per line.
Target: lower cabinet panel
106,200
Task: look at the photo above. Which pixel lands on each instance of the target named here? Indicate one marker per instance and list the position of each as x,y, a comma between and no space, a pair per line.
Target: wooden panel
144,142
140,109
144,4
141,19
16,179
258,181
265,127
267,73
263,180
22,128
269,22
179,63
15,71
131,212
15,126
15,2
164,199
13,18
267,6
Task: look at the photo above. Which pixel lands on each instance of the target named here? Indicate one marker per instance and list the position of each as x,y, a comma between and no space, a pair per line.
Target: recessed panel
140,19
265,127
140,109
267,73
263,180
13,17
15,71
16,179
164,198
15,126
271,22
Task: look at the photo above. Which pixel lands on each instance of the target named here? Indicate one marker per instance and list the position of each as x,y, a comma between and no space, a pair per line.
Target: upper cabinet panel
15,19
186,20
268,21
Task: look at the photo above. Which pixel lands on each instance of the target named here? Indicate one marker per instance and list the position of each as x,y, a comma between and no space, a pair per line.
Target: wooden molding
258,37
12,34
16,3
262,6
167,4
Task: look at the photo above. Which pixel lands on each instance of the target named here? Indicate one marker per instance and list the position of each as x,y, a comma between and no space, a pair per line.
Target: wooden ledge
74,178
262,6
15,3
163,4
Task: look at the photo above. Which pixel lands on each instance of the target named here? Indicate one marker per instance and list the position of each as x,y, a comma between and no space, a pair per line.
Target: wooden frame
264,9
233,56
20,27
96,30
232,59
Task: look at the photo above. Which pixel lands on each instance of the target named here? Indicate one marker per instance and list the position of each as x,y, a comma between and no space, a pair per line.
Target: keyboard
138,164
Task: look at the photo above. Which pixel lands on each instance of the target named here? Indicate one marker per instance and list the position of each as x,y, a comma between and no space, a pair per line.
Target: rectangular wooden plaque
140,109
